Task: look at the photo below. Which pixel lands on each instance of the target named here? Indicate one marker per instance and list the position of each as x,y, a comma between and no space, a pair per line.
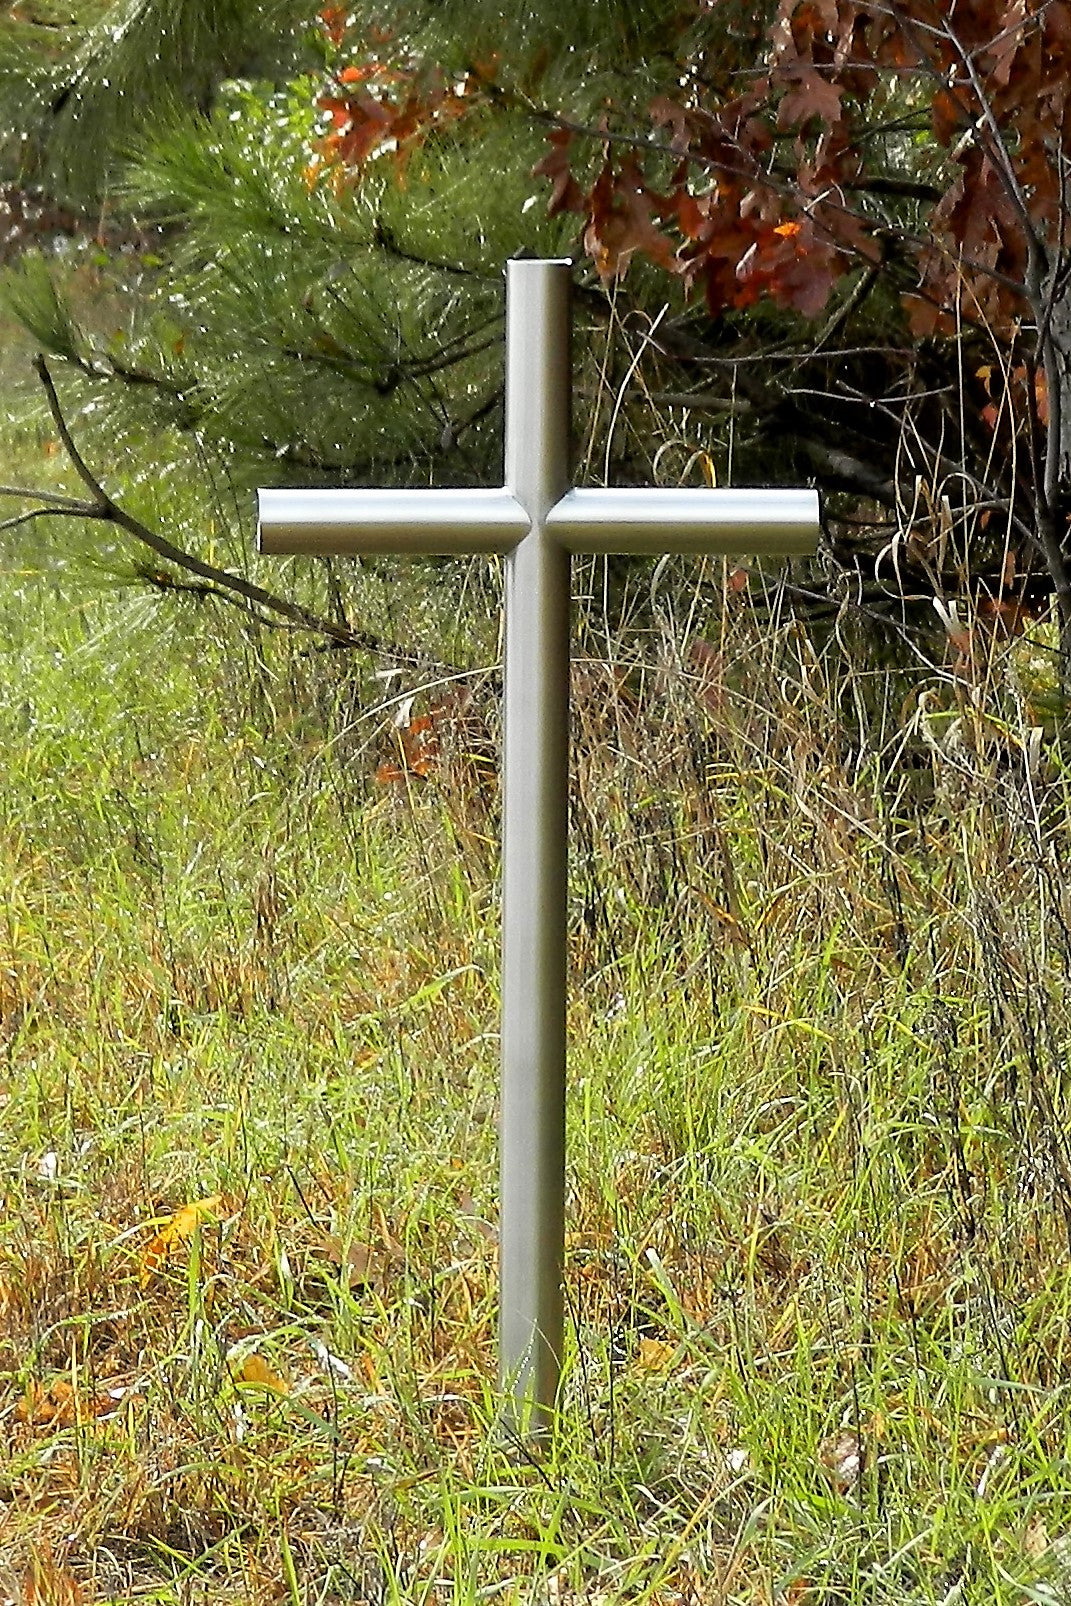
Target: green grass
819,1177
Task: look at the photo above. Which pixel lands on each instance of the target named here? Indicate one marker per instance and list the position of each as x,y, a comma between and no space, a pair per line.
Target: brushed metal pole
535,845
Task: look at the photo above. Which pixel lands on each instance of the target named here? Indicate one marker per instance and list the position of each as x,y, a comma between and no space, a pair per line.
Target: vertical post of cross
535,844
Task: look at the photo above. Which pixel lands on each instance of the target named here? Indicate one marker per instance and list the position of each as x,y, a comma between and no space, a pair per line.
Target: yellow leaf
655,1355
255,1370
183,1224
60,1405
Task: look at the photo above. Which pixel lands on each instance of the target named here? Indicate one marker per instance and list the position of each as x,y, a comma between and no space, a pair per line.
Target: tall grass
820,1187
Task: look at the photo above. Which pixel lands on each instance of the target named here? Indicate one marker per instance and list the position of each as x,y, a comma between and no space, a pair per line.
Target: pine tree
302,324
327,306
80,81
330,320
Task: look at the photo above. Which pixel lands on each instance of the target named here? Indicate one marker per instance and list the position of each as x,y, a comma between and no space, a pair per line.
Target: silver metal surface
535,844
536,521
640,520
435,521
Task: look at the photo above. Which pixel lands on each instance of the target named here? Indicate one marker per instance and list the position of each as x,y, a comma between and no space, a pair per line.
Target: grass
820,1190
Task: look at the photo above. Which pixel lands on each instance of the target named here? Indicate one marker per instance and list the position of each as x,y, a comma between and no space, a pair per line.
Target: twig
202,590
79,510
69,504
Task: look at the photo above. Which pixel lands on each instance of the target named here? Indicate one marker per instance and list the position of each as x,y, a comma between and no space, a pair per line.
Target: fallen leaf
1035,1539
255,1371
362,1263
60,1404
655,1355
48,1583
472,1216
174,1230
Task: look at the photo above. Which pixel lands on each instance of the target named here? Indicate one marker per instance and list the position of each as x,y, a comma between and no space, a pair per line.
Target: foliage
915,153
78,81
819,241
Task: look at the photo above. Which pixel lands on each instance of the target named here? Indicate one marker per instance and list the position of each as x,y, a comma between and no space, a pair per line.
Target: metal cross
535,522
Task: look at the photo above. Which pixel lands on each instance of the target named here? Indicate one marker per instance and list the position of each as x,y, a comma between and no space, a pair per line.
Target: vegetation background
820,1183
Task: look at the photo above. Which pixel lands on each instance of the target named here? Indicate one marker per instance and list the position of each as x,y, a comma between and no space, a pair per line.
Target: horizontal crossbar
684,519
431,521
627,520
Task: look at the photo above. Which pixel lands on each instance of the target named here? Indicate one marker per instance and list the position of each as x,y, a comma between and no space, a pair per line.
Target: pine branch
214,580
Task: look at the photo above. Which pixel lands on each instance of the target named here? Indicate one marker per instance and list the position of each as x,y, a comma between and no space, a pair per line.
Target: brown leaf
48,1583
60,1405
566,194
1035,1539
467,1206
362,1265
811,96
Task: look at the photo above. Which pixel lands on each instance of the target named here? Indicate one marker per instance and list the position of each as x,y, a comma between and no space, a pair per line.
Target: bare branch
222,580
55,499
80,510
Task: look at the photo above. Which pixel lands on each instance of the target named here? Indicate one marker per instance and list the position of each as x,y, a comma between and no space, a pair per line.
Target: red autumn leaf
339,110
369,121
566,194
1005,618
690,212
665,112
946,114
334,20
1041,392
420,744
622,211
